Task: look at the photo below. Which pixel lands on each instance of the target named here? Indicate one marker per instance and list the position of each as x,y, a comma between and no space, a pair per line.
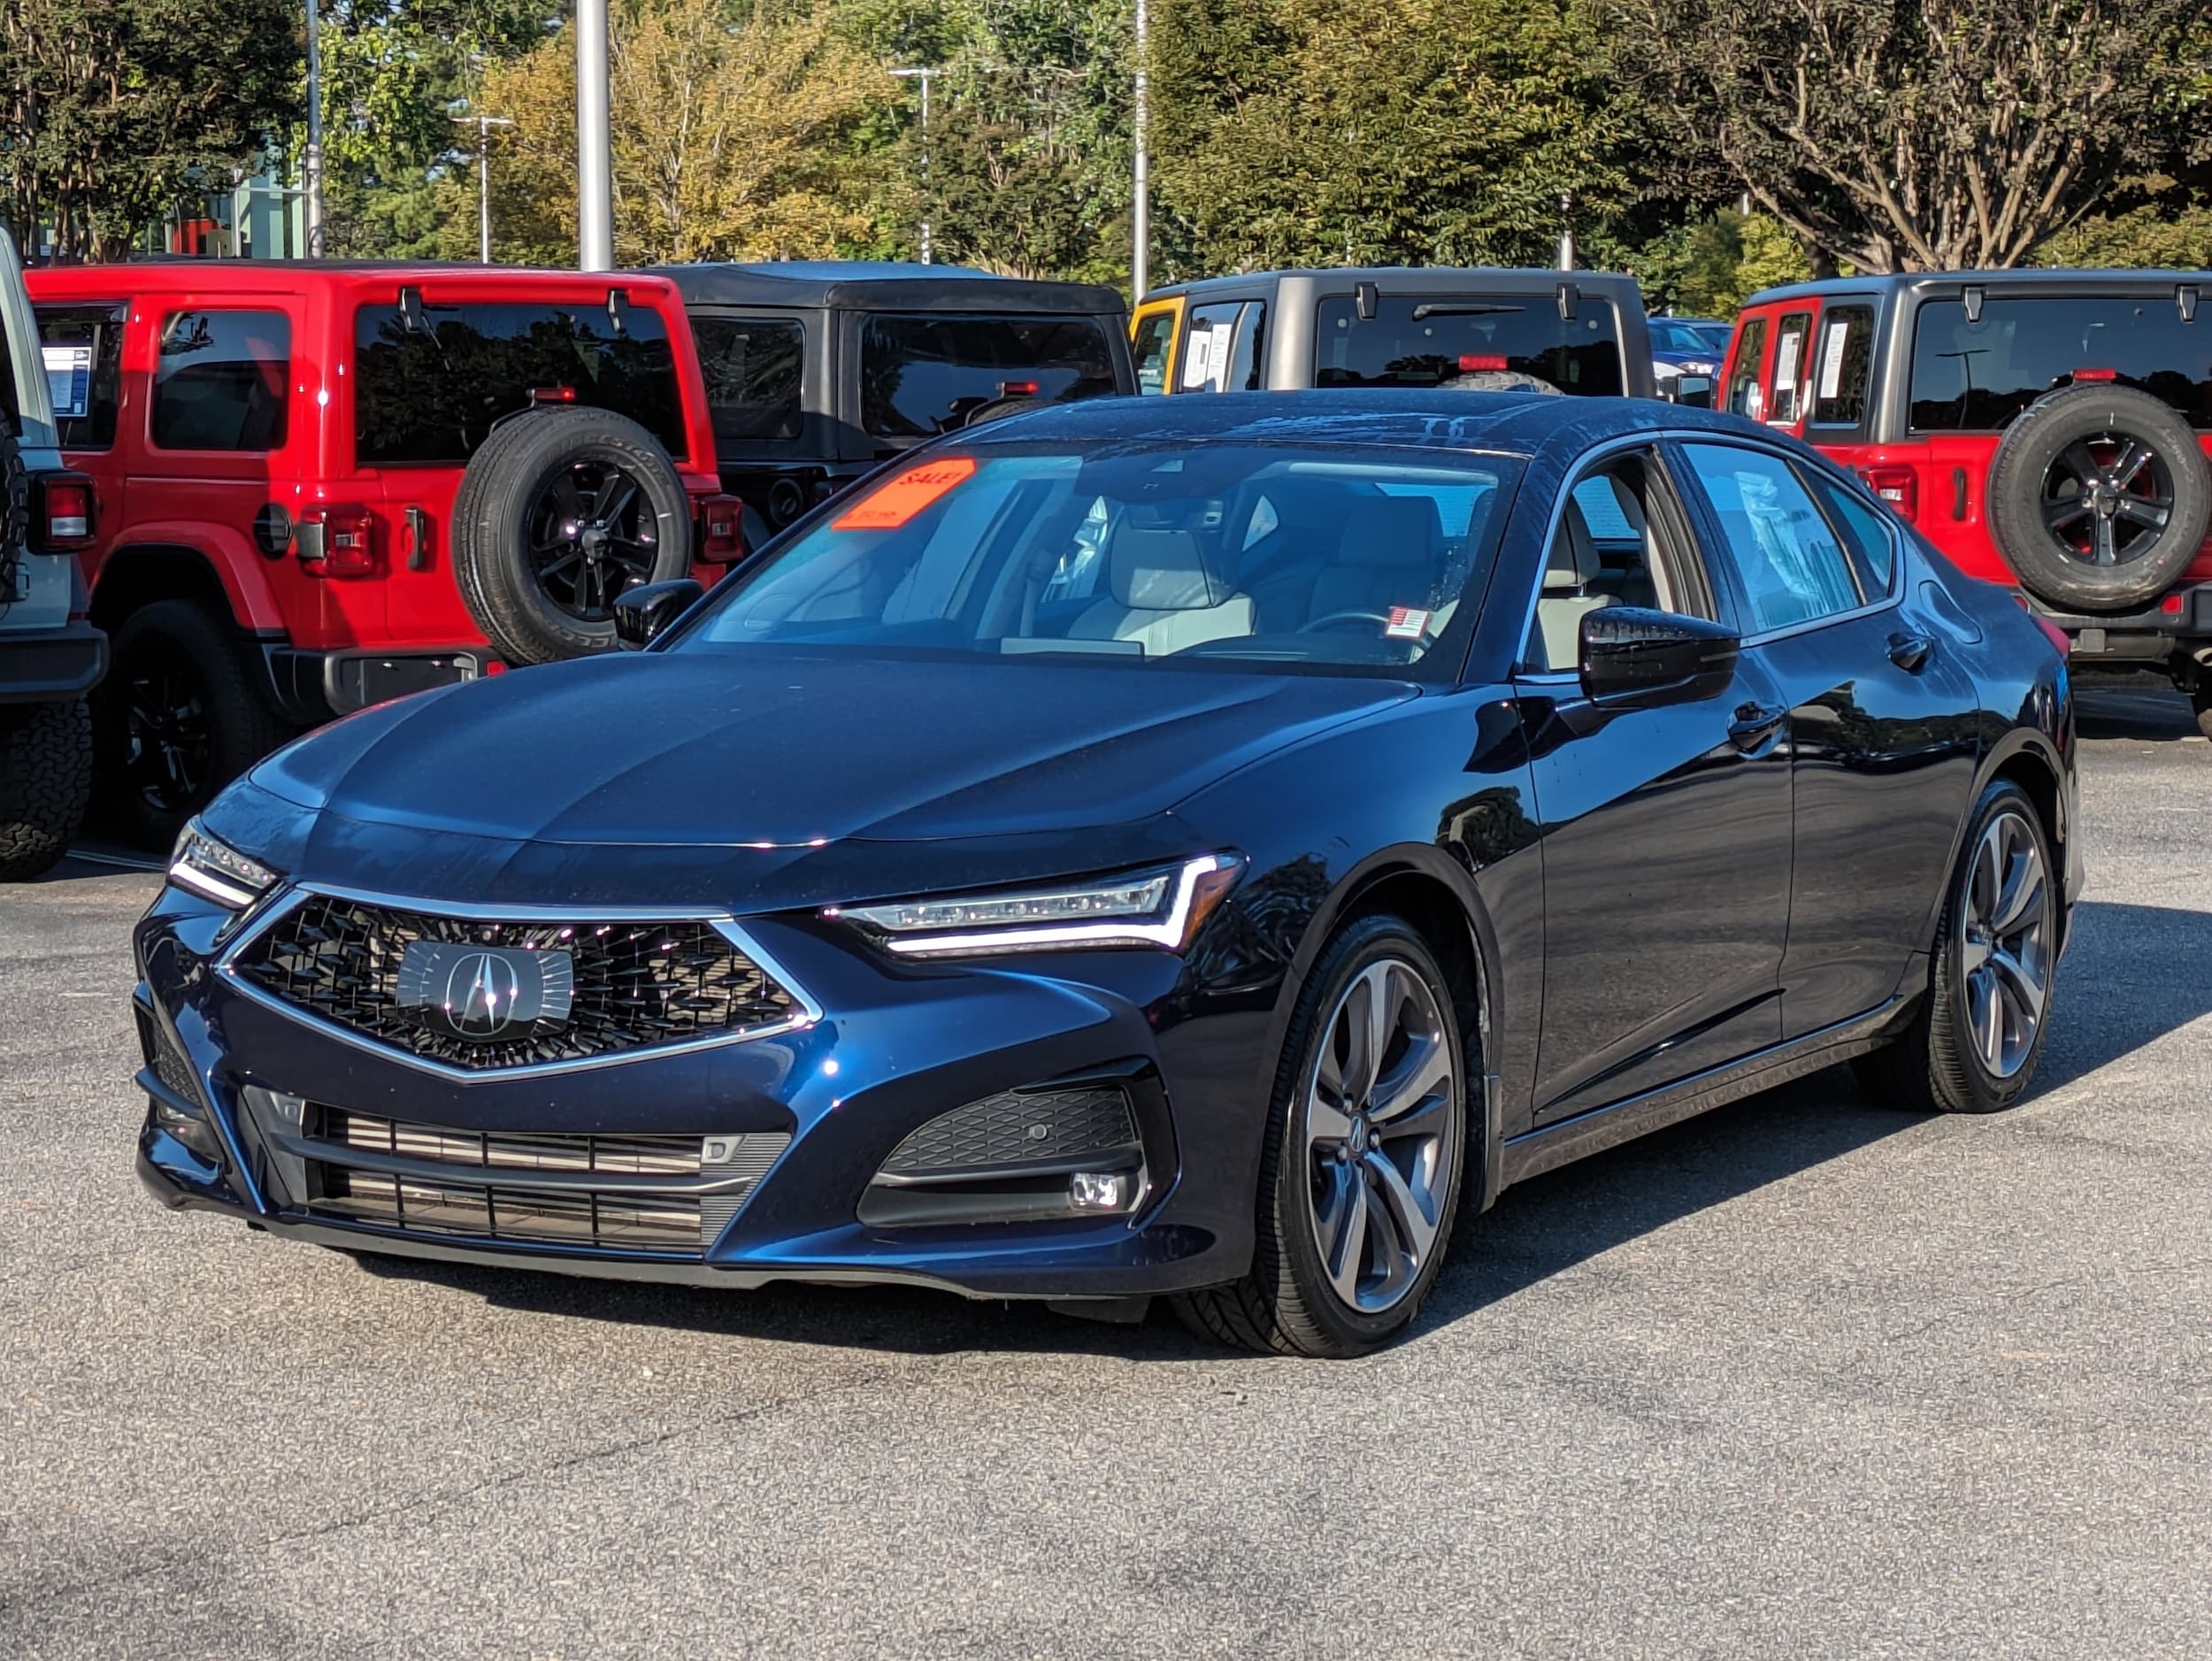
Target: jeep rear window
1976,377
431,394
922,374
1841,364
754,366
1429,340
220,380
82,346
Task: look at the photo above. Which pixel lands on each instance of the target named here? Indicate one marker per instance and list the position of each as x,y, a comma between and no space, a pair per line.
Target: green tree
1920,134
116,109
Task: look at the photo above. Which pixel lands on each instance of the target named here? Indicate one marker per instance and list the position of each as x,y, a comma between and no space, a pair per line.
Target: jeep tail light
721,530
2171,604
1900,487
337,541
62,513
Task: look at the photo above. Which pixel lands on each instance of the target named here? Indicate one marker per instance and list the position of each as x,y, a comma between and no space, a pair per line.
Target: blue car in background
1686,346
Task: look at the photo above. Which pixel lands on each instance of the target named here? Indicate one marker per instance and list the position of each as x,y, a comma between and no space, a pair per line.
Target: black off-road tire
491,525
45,781
241,725
2034,442
1283,1304
1932,1066
15,505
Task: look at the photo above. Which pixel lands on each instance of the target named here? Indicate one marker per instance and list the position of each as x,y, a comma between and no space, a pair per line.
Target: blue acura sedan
1203,847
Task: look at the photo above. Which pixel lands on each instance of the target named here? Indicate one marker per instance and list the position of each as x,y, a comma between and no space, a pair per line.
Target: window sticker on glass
69,380
1407,622
897,500
1831,356
1786,352
1199,369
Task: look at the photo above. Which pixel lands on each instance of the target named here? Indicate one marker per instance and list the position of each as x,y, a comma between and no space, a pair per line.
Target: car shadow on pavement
2132,706
2114,998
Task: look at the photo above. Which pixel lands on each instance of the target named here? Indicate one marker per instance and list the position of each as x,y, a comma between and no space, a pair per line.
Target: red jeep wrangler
2048,430
318,486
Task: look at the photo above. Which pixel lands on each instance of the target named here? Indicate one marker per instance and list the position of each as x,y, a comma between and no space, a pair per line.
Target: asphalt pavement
1807,1376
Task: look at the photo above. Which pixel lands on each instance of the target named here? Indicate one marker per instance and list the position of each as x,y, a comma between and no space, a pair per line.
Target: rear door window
1841,364
82,346
1787,401
922,374
220,380
1221,350
1788,559
1976,377
430,394
1430,340
755,370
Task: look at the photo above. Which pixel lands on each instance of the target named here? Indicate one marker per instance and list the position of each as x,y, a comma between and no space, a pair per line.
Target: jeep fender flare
227,560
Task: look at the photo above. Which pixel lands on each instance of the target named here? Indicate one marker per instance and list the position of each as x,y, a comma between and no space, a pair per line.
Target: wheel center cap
1358,1138
2104,500
594,538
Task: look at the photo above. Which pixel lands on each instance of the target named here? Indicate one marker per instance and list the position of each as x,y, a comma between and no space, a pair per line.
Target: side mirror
1695,390
641,613
1641,657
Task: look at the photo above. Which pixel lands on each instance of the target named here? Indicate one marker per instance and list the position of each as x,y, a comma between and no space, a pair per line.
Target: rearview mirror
1695,390
1635,655
643,613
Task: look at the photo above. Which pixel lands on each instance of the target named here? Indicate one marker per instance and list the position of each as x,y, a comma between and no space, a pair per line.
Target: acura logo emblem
483,992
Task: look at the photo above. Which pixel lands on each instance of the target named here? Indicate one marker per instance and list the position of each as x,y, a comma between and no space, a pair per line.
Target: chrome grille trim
280,905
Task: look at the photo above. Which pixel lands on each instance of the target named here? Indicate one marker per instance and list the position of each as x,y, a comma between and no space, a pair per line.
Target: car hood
767,749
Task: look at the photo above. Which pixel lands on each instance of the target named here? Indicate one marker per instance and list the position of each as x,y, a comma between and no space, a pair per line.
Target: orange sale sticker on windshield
895,501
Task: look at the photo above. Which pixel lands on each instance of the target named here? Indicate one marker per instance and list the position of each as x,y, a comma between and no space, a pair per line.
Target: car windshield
1138,553
1667,335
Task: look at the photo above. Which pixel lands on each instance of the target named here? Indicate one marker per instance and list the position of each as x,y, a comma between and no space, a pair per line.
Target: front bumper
895,1047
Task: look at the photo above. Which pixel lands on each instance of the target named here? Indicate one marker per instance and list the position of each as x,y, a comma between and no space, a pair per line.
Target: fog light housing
1101,1190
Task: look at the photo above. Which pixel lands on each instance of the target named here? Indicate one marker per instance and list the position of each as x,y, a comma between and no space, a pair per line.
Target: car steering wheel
1335,619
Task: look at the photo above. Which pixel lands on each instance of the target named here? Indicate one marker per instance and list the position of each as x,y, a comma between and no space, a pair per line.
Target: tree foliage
114,110
725,130
1919,134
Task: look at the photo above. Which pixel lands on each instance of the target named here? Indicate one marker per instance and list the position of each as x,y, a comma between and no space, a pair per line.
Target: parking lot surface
1808,1375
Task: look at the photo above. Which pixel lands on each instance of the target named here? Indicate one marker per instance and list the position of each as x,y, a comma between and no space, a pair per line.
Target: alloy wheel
2107,498
2005,944
592,533
1382,1130
168,754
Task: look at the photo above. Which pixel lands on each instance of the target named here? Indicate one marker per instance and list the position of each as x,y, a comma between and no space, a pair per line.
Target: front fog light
1101,1190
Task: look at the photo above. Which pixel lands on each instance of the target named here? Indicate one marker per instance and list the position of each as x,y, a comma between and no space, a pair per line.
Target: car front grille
622,985
494,1186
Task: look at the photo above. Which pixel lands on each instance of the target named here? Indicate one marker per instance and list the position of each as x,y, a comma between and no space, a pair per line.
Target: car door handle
1755,724
1910,652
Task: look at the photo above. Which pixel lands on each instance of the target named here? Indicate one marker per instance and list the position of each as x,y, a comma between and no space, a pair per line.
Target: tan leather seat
1163,596
1566,598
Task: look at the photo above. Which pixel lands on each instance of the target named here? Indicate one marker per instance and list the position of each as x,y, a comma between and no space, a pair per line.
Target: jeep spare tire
2099,497
560,511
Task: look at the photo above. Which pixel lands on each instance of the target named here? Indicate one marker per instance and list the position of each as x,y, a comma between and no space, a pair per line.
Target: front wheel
1361,1171
1973,1046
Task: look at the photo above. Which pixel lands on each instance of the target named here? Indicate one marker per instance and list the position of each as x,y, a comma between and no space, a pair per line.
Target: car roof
2084,278
170,273
1512,423
1408,280
882,285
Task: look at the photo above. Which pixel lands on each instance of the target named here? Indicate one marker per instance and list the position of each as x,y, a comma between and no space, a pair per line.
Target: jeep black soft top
818,370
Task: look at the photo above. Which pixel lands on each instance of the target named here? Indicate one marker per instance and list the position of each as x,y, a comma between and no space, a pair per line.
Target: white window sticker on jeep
1831,356
1785,359
1198,357
69,380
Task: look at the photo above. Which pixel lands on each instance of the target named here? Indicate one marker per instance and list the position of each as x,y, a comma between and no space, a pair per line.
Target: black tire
181,714
1285,1305
15,505
1934,1065
2079,534
45,781
998,408
2201,698
559,512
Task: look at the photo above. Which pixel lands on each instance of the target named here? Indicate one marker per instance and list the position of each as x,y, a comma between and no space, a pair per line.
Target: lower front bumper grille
663,1195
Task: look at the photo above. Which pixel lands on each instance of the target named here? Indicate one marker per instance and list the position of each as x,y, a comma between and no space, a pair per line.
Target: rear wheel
45,780
1972,1047
179,716
1360,1175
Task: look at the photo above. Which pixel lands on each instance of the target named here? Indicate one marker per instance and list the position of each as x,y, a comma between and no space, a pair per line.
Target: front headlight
215,871
1145,907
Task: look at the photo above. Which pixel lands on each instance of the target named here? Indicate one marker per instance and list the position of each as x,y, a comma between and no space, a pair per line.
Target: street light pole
311,160
594,162
484,125
923,76
1141,131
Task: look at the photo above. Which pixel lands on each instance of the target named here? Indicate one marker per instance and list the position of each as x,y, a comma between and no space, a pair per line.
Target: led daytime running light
215,870
1159,909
